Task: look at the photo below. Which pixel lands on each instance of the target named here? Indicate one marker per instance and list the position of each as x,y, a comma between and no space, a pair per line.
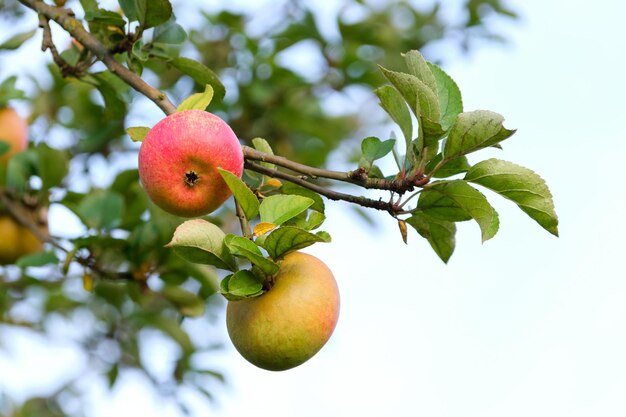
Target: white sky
525,324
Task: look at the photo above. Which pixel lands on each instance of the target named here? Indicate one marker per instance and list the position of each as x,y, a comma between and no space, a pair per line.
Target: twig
65,18
243,221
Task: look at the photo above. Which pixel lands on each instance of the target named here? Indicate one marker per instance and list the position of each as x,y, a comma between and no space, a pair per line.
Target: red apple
291,322
178,162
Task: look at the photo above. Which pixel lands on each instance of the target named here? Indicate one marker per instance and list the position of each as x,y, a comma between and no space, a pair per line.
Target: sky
525,324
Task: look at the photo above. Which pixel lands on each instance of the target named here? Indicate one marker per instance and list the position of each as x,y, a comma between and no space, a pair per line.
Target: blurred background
525,324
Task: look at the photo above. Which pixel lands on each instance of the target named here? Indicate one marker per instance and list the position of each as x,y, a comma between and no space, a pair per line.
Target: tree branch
65,18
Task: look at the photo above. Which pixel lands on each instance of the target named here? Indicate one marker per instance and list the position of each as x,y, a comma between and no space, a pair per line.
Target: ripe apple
14,131
16,240
288,324
178,162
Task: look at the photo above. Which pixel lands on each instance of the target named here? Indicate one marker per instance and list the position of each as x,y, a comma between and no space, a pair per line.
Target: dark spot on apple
191,178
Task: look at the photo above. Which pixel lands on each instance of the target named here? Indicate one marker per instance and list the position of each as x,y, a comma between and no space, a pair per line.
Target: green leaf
439,233
262,145
458,201
137,133
4,146
16,41
244,196
393,103
105,17
169,33
101,209
289,239
295,189
38,259
421,99
473,131
449,96
20,168
373,148
520,185
202,242
419,67
149,13
240,285
198,101
8,91
52,165
187,303
200,73
277,209
240,246
450,168
109,86
171,328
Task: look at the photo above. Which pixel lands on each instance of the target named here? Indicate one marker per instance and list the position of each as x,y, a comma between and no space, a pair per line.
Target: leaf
392,102
20,168
200,73
419,67
262,228
262,145
240,285
187,303
101,209
458,201
240,246
449,96
245,197
450,168
169,33
421,99
373,148
109,87
4,146
202,242
105,17
473,131
8,91
16,41
137,133
149,13
52,165
439,233
295,189
288,239
198,101
278,209
520,185
38,259
170,328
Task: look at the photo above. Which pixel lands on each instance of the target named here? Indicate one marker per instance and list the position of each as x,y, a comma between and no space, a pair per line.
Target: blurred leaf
138,133
289,239
105,17
278,209
52,165
38,259
202,242
200,73
240,246
187,303
198,101
4,147
16,41
439,233
170,33
149,13
20,168
8,91
101,209
245,197
473,131
520,185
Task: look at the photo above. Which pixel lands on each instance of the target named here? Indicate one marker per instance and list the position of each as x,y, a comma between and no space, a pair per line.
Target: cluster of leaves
445,135
77,117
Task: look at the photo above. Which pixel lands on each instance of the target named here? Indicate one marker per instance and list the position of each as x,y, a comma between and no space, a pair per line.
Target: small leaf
439,233
278,209
403,231
262,228
38,259
200,73
373,148
288,239
17,40
520,185
473,131
262,145
456,200
198,101
202,242
393,103
240,246
87,282
187,303
449,96
137,133
244,196
242,284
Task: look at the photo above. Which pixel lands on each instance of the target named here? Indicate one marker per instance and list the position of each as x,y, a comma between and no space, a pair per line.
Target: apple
14,131
285,326
16,241
179,158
